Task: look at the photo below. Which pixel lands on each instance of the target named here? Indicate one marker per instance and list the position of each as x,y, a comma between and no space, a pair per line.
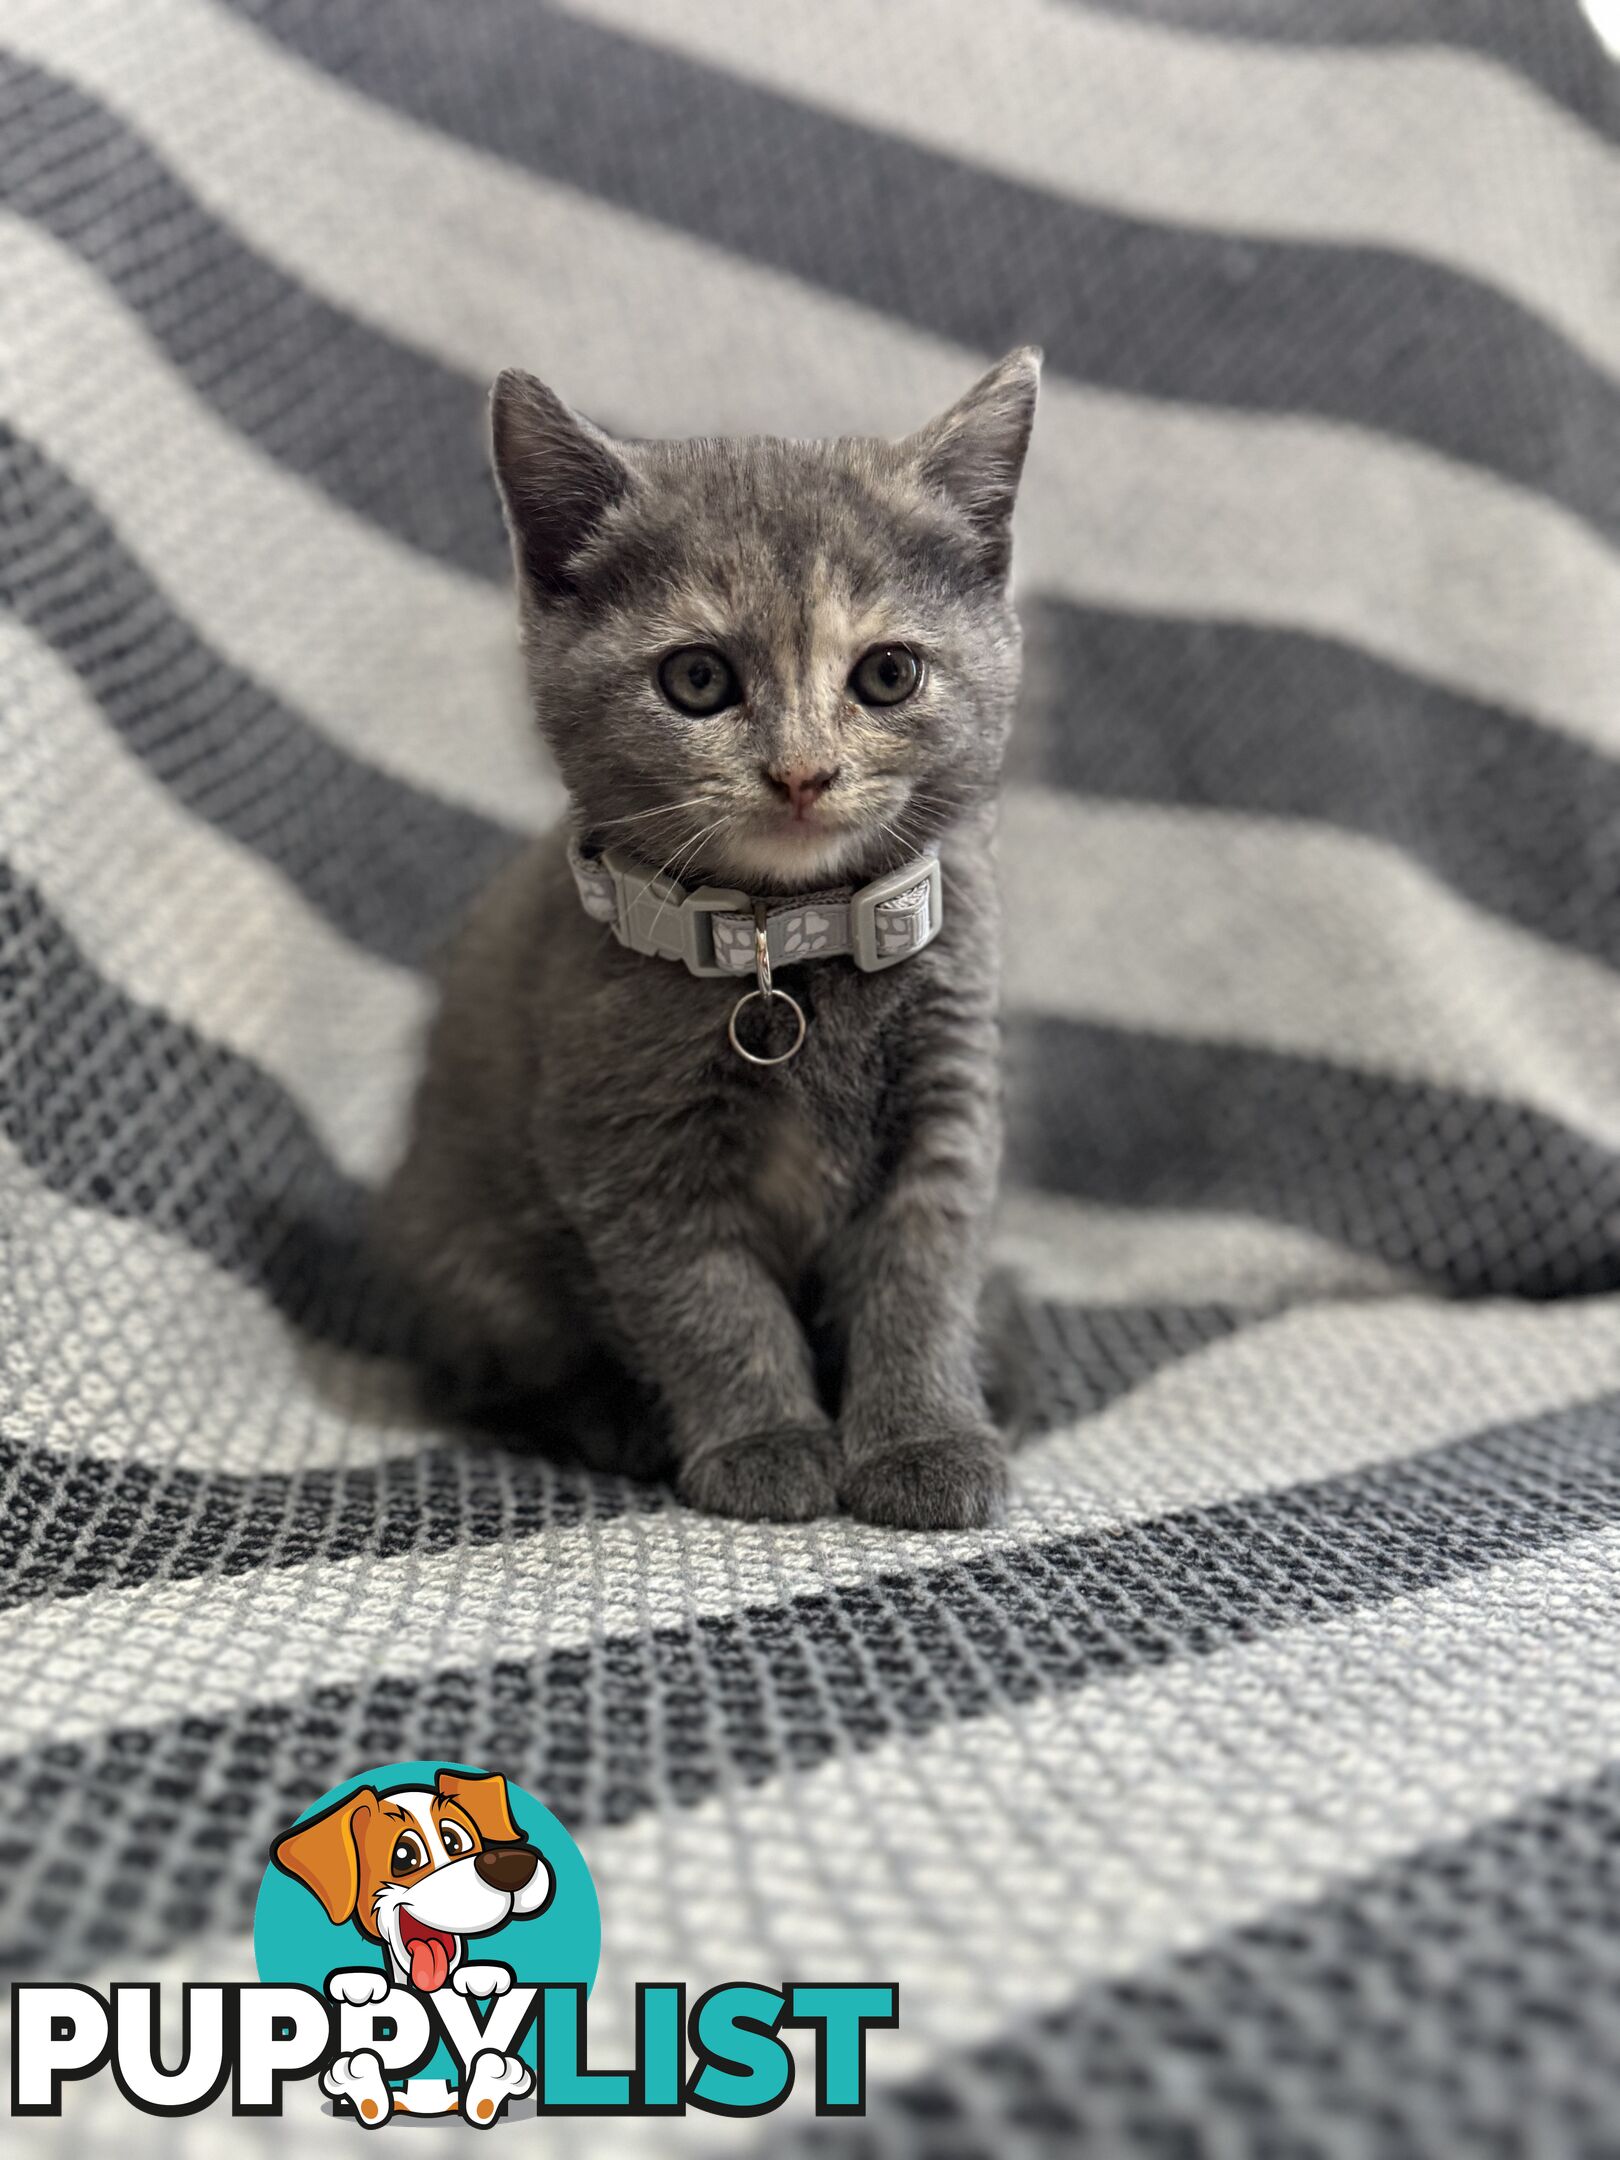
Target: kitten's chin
797,861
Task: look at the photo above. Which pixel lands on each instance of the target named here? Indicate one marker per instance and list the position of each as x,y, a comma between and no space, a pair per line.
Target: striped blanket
1251,1789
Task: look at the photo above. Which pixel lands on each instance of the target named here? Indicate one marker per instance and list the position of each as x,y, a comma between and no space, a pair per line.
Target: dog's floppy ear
324,1853
485,1800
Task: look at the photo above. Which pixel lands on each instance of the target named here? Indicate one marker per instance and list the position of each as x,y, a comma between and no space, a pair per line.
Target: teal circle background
294,1941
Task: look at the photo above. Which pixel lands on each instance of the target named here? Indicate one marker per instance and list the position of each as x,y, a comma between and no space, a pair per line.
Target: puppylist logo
426,1938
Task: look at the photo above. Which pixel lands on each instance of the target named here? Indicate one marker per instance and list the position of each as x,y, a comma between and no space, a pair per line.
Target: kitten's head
769,664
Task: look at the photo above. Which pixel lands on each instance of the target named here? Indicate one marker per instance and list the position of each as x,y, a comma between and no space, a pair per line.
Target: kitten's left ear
974,451
558,475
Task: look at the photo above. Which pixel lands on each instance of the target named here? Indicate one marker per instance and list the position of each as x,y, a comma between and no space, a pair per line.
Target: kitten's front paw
787,1475
954,1479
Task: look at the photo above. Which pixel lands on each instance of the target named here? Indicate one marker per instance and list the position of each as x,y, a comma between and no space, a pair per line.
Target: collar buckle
658,916
649,906
697,925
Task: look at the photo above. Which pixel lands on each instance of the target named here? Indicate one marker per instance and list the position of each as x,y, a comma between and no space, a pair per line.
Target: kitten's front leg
712,1330
920,1450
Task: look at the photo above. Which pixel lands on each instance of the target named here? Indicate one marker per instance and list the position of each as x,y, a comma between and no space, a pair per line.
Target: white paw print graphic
806,931
733,942
903,920
358,2078
495,2080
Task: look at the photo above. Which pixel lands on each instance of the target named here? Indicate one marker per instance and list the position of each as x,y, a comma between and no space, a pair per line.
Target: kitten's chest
801,1185
819,1139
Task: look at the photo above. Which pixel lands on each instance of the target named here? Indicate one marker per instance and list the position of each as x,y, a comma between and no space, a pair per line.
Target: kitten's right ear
974,452
558,475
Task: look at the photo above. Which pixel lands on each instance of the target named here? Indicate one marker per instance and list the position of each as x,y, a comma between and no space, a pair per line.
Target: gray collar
712,929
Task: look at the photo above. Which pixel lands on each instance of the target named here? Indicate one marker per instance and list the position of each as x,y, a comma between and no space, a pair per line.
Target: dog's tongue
430,1962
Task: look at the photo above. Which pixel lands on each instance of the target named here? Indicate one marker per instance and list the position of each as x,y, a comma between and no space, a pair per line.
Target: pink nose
799,786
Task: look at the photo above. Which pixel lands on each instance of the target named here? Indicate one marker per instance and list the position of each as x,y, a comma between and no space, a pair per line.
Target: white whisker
658,810
685,853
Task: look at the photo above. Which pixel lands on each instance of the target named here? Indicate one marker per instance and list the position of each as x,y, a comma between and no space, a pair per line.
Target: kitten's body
784,1264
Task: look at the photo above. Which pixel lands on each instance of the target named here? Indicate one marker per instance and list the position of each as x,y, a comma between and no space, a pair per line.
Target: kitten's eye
886,675
698,680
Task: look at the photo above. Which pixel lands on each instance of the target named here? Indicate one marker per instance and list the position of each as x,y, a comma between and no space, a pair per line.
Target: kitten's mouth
840,818
799,831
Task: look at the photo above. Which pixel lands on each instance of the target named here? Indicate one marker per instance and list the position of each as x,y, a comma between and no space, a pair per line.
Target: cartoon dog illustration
421,1870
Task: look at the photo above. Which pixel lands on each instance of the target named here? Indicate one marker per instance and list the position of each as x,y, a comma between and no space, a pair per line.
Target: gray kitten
779,667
